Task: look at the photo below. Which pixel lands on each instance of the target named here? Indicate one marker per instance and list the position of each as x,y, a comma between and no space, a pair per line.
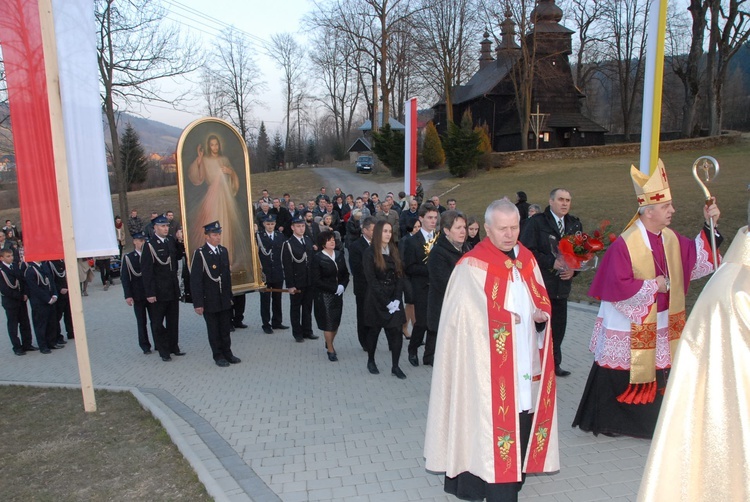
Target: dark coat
406,218
270,256
214,296
57,267
356,252
161,280
353,230
12,286
327,276
132,280
383,286
442,261
297,259
283,220
536,236
415,266
36,275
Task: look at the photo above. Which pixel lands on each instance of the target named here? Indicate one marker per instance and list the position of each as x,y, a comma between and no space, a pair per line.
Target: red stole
501,340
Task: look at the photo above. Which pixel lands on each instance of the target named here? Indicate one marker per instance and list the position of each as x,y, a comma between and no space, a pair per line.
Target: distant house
490,94
363,144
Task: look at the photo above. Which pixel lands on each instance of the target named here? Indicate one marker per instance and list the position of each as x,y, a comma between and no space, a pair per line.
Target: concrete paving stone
320,483
388,475
348,461
297,466
275,461
306,475
406,484
239,497
553,488
227,483
339,471
627,475
367,468
268,470
323,494
368,488
622,489
324,464
285,477
591,494
294,496
597,468
294,486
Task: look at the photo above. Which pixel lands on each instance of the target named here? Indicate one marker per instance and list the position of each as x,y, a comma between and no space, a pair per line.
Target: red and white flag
410,148
21,33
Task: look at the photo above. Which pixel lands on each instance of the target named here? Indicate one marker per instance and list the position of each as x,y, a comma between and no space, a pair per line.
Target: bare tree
136,51
585,16
625,35
443,45
335,61
685,40
238,80
290,58
370,25
212,91
729,30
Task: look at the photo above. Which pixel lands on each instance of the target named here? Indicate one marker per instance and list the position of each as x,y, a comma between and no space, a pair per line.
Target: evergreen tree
277,152
311,156
485,147
388,145
132,157
462,147
263,149
432,150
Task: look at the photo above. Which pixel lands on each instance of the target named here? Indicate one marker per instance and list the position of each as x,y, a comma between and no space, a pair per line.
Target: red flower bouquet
579,250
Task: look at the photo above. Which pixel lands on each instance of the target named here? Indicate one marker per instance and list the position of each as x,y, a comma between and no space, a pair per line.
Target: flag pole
63,195
652,86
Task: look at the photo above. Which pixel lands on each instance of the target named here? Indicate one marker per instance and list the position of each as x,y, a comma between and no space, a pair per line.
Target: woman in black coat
449,248
329,279
384,306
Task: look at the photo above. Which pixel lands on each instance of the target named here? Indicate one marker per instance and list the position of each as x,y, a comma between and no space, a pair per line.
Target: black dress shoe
234,360
332,356
312,337
231,329
71,337
299,340
30,348
147,351
45,351
166,358
61,341
414,360
222,363
398,373
561,372
426,362
19,352
57,346
372,368
178,353
267,330
240,325
280,326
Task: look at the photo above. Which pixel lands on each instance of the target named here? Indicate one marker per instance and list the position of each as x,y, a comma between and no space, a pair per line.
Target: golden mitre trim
652,189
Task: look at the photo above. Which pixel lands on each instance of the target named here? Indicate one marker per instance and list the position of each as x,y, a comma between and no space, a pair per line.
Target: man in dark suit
62,305
540,234
270,244
415,253
296,256
211,286
135,295
13,290
283,217
42,296
356,251
159,268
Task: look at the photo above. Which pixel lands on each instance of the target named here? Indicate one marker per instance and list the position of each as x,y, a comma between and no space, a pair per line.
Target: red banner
23,56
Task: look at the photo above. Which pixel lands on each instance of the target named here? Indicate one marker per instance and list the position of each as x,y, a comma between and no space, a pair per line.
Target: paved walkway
286,424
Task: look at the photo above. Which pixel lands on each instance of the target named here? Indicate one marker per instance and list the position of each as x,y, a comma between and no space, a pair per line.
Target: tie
560,226
429,236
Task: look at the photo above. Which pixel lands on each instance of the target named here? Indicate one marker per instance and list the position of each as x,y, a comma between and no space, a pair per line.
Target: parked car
363,164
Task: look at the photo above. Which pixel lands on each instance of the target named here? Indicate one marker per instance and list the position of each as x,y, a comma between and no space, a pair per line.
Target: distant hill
156,137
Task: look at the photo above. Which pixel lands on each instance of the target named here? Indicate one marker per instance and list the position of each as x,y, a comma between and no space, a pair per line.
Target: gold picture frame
213,178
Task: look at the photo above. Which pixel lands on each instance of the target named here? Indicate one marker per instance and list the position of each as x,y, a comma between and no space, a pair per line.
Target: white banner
91,203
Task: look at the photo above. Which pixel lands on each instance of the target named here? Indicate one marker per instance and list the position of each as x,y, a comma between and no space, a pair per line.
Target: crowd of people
498,346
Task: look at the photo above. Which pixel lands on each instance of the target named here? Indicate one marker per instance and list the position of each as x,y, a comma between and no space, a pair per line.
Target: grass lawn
602,189
52,450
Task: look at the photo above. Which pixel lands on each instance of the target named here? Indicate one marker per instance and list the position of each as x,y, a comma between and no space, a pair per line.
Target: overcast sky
258,18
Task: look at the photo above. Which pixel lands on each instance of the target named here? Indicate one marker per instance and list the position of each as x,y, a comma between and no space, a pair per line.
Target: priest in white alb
493,410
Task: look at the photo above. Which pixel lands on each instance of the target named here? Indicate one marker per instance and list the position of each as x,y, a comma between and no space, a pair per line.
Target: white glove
393,306
340,290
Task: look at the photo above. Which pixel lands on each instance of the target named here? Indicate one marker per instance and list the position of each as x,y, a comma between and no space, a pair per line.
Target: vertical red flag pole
63,193
410,148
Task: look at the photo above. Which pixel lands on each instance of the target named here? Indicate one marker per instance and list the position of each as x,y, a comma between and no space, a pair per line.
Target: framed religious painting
213,176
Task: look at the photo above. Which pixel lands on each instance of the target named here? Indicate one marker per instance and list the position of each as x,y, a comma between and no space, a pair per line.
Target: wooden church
490,94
